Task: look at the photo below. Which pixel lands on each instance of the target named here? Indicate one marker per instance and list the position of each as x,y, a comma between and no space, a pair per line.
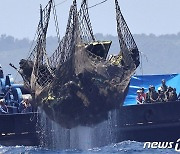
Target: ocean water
126,147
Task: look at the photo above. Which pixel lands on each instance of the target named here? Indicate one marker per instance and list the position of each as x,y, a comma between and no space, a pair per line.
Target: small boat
16,128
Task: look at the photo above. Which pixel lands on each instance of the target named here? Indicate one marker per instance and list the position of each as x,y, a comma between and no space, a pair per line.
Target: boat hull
159,122
149,122
18,129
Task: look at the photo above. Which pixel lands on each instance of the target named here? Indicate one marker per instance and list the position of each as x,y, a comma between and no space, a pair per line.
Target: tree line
159,54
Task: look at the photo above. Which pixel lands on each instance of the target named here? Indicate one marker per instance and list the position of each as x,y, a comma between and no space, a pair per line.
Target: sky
19,18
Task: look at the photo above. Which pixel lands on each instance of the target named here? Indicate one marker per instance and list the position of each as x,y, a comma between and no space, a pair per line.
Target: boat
150,122
78,84
155,122
19,129
16,128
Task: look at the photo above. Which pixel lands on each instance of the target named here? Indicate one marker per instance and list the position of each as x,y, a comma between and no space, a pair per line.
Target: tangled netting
78,78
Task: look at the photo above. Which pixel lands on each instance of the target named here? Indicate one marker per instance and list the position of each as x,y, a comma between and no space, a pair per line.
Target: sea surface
126,147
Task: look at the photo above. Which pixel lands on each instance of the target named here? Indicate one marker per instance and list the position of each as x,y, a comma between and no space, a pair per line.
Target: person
163,85
153,95
140,96
1,72
167,93
143,93
25,106
147,98
161,95
139,99
173,95
3,107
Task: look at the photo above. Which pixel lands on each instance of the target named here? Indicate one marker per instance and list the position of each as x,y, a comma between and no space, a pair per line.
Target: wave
122,147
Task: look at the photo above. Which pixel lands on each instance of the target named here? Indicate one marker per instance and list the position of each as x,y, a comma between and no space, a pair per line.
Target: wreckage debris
78,84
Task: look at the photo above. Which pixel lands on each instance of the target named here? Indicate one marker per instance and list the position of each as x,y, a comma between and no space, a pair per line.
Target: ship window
99,48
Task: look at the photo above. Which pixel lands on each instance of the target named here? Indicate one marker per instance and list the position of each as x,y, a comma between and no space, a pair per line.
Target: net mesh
44,67
64,50
84,30
36,69
128,46
76,80
79,33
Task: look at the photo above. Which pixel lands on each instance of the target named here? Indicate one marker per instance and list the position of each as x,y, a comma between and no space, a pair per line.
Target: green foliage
10,43
160,54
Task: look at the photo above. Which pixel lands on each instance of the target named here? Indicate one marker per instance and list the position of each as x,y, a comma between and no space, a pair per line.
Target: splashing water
122,147
53,136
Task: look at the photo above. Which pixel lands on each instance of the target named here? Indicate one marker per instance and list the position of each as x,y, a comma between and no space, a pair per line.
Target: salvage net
78,34
43,68
85,28
130,53
79,21
35,70
64,50
42,73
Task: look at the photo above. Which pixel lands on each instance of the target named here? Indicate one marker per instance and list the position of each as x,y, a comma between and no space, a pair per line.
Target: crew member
147,98
3,107
173,95
167,93
161,95
25,106
163,85
139,98
142,93
1,72
153,95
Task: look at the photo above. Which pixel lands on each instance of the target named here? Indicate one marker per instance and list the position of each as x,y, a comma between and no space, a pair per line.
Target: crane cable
61,3
98,4
89,7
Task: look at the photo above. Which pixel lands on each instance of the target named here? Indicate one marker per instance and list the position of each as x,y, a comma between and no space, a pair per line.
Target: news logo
163,145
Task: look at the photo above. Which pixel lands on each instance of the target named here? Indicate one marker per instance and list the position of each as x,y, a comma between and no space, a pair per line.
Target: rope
98,4
141,63
61,3
56,22
89,7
